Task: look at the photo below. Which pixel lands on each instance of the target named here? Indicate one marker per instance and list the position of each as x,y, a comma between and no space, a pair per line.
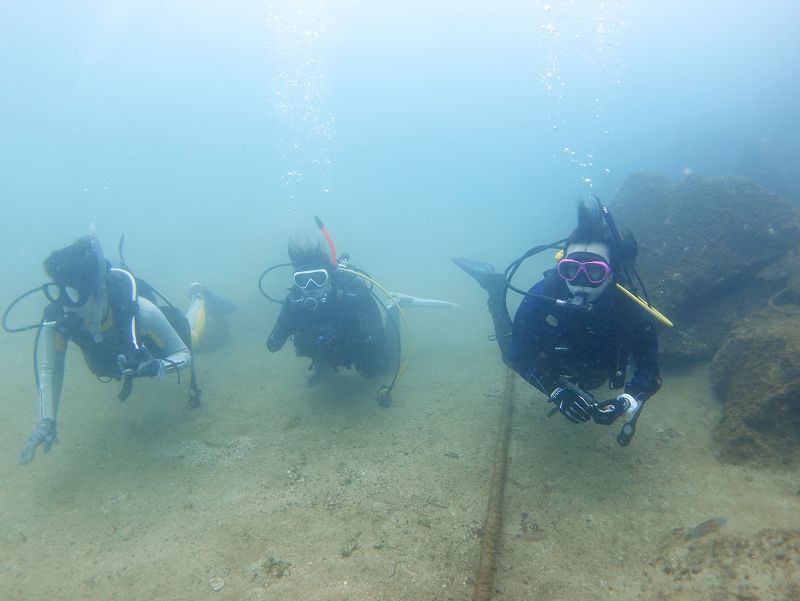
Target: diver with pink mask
582,325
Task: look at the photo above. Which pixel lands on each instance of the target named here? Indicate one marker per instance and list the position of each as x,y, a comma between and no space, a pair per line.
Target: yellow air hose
388,294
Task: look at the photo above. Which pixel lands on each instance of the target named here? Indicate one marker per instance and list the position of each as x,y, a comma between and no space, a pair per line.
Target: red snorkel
327,235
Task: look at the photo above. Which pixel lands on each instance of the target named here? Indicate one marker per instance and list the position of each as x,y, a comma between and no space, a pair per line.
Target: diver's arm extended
49,366
153,323
282,329
50,351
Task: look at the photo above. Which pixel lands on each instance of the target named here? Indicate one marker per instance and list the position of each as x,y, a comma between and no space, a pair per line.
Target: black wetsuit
345,330
549,340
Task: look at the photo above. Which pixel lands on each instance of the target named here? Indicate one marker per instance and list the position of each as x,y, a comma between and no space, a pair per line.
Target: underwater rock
705,249
757,374
762,565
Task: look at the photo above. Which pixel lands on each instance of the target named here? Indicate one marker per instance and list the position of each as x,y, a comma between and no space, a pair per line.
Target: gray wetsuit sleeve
151,322
50,350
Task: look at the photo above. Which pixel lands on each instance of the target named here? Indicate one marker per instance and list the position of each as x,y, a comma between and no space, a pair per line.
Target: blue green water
208,133
212,126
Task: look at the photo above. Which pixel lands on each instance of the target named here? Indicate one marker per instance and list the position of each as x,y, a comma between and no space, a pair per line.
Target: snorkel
329,238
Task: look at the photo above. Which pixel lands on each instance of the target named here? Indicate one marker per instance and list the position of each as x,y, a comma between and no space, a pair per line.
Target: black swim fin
496,285
483,273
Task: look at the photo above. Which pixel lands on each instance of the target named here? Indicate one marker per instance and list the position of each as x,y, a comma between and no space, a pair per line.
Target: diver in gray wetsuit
114,319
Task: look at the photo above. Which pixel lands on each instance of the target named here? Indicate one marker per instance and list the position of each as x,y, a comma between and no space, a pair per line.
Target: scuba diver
580,326
336,319
333,316
116,320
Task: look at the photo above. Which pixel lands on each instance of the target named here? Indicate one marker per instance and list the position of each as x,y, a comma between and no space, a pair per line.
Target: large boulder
757,374
709,251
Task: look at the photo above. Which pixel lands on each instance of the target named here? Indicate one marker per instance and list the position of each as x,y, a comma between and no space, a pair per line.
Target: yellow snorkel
660,317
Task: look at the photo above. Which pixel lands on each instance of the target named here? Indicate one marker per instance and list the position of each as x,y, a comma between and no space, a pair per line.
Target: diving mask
586,270
66,296
311,278
596,272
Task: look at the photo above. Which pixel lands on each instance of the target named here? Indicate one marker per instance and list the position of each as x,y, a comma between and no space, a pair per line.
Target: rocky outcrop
709,249
719,257
757,373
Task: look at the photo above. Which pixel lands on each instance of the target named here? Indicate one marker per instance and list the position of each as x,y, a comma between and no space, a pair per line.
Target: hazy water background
209,132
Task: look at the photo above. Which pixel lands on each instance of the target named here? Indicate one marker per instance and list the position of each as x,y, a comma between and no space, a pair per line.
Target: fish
707,527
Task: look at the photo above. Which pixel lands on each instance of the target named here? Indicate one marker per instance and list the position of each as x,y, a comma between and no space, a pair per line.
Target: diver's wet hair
74,265
592,228
308,255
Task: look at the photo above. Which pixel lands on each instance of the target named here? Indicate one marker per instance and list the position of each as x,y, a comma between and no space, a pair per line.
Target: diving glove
148,367
44,434
571,405
152,368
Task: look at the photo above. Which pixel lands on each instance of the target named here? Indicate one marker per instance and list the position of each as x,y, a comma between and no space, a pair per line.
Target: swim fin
219,305
495,284
483,273
215,304
405,300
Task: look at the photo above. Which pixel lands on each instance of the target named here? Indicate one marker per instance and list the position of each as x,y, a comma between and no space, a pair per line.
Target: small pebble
216,583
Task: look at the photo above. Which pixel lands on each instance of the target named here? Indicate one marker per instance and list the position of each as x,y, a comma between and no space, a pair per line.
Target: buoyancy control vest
597,346
121,337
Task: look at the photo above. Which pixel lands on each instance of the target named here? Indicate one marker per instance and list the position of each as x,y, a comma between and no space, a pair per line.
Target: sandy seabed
272,490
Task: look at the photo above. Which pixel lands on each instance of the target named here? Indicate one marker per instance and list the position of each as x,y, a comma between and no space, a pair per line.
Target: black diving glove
147,368
44,434
152,368
571,405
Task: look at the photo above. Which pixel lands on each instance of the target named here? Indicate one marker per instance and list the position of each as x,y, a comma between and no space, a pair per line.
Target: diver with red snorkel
580,326
336,318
